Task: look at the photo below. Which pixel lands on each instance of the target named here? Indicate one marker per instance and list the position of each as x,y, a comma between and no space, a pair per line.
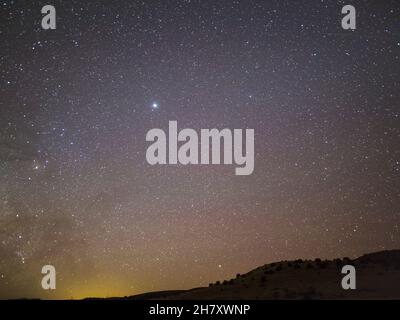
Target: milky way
76,191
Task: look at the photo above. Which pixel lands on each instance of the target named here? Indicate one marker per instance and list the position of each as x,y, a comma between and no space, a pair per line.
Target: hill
377,277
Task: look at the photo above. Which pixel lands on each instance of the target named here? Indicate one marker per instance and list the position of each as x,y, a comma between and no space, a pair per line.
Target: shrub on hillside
338,262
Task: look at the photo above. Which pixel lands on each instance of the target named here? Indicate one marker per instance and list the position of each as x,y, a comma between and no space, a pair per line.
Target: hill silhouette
377,277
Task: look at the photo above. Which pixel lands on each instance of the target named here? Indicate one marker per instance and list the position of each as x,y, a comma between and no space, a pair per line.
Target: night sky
76,103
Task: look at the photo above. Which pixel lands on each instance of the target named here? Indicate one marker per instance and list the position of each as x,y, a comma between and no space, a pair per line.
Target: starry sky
76,103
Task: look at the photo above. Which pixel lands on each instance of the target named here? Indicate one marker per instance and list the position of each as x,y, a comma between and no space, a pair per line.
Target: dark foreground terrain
377,277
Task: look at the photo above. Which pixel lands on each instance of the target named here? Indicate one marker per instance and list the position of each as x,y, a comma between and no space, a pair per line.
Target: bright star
154,105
